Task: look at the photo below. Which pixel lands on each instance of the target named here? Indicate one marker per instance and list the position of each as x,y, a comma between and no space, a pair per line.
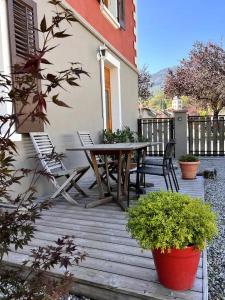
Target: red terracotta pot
189,169
177,269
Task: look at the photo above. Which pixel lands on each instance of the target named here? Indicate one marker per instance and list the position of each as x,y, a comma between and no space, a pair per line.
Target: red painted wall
122,40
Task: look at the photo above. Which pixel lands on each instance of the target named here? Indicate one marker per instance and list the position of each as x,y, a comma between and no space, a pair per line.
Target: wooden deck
116,267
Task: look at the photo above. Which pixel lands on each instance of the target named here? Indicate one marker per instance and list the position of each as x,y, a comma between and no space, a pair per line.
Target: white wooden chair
86,140
54,166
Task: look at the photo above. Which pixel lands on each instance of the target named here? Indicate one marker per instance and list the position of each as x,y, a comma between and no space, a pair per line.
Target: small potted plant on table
189,166
125,135
175,227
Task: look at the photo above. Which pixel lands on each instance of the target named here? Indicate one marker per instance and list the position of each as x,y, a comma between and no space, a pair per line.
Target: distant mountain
158,79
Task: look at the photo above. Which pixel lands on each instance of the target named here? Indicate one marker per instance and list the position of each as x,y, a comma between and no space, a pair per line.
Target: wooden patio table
119,150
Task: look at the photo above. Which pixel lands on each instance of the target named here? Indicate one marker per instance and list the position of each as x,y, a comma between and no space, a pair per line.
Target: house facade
104,42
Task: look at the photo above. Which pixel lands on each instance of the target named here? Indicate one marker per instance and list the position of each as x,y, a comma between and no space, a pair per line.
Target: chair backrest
169,150
86,140
45,150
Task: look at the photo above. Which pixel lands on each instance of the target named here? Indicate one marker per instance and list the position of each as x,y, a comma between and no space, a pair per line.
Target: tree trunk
216,114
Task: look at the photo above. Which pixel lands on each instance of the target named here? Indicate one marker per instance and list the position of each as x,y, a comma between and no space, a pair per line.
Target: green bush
188,158
165,220
125,135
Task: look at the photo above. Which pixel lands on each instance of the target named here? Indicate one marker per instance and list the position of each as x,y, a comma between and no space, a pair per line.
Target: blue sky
167,29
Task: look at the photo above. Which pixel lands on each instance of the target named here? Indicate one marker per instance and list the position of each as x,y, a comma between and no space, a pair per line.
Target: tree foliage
159,101
18,212
201,77
144,83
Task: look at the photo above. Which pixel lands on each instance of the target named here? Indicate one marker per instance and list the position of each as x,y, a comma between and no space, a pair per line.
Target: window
121,13
114,11
22,16
112,7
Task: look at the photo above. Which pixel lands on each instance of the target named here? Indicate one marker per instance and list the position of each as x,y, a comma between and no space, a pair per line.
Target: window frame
109,16
112,63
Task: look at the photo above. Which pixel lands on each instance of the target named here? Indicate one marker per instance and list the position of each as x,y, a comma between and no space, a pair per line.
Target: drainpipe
101,58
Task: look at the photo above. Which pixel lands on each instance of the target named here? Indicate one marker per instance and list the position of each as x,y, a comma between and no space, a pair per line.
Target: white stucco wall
85,113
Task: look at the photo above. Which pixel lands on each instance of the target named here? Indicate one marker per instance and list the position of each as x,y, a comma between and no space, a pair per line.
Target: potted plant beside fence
189,166
125,135
176,228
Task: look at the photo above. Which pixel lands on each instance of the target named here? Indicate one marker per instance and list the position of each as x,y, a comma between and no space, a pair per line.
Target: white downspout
101,59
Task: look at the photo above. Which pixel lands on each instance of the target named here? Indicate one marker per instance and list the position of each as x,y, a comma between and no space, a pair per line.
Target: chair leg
167,186
74,182
61,189
65,195
174,180
81,173
128,191
77,187
112,176
69,198
170,182
92,185
175,176
138,184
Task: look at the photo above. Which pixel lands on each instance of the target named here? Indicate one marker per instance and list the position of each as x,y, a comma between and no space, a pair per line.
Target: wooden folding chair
86,140
55,168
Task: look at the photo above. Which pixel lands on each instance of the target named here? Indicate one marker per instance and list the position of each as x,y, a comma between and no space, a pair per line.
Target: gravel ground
215,194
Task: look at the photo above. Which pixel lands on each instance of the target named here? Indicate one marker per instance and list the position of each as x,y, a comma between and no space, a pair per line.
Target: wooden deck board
115,267
142,289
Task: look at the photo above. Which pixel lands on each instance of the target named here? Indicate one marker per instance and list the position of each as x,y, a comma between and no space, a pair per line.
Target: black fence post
139,127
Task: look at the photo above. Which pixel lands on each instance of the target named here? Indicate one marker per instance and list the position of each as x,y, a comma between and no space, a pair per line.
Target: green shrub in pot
125,135
188,158
168,220
165,222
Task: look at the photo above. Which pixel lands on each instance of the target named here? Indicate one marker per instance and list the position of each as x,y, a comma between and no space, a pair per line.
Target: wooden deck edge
204,263
205,276
93,290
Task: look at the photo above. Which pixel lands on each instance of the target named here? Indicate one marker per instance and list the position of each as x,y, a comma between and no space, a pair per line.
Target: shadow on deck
116,267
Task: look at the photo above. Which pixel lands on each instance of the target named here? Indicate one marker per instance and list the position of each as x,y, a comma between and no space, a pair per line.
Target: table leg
102,198
127,173
107,174
97,174
142,157
119,176
137,176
